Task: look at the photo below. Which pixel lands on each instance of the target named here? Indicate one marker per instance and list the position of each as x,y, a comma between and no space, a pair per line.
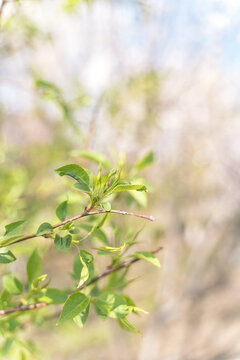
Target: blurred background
129,77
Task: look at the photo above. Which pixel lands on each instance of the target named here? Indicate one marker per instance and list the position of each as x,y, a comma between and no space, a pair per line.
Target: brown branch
79,216
2,6
100,276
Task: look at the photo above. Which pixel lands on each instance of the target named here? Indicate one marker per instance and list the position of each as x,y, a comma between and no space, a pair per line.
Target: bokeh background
128,77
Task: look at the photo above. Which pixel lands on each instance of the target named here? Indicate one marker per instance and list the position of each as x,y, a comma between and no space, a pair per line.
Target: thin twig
100,276
79,216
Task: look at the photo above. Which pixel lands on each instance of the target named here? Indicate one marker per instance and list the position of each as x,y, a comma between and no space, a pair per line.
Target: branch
2,6
100,276
79,216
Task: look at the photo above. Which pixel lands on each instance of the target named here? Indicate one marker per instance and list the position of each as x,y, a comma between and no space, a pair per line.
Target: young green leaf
148,256
44,228
106,206
75,304
100,234
111,249
113,305
7,257
127,187
77,173
7,240
86,256
140,197
61,210
6,346
12,284
82,317
82,187
145,161
84,272
126,325
95,156
53,296
34,266
14,228
36,282
63,243
96,227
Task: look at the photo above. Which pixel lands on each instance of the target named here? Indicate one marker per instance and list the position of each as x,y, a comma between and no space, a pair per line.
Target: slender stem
98,277
79,216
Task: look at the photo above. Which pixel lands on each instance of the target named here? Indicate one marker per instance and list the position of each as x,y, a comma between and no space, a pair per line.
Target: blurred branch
2,6
79,216
100,276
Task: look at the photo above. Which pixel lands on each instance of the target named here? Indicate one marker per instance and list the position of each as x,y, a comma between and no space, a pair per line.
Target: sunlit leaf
126,325
7,257
12,284
14,228
77,173
128,187
53,296
145,161
75,304
63,243
148,256
61,210
44,228
34,266
95,156
82,317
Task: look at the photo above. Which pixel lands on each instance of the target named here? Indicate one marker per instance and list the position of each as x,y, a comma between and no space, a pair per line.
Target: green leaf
95,156
14,228
77,173
34,266
106,206
82,317
96,227
63,243
126,325
44,228
74,231
81,187
145,161
84,272
111,249
140,197
36,282
12,284
81,271
7,257
53,296
7,240
100,234
6,346
75,304
5,298
112,305
127,187
86,256
61,210
148,256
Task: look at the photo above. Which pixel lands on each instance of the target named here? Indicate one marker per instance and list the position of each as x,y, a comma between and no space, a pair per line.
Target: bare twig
79,216
100,276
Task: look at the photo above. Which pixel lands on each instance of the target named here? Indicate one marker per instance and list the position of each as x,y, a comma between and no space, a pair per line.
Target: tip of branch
151,218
